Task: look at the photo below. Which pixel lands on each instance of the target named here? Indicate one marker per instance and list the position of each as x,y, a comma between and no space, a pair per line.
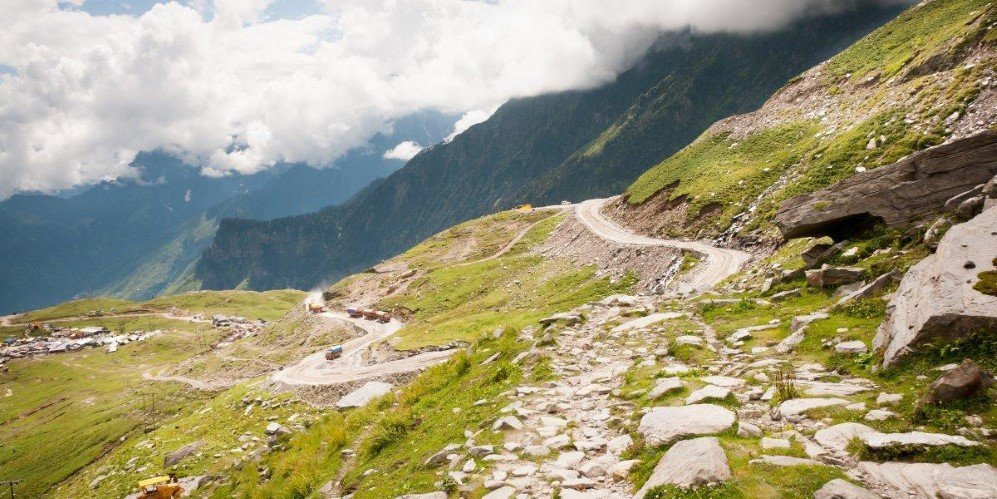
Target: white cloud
403,151
470,119
237,91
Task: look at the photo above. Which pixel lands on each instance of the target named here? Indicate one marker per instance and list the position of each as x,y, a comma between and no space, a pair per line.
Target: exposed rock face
967,380
664,425
936,300
690,463
898,194
931,480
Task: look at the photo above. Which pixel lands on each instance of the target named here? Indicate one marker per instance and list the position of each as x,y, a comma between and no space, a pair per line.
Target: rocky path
570,436
564,435
716,264
315,370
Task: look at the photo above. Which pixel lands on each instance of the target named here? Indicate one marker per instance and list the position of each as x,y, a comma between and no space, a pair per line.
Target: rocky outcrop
690,463
936,301
902,193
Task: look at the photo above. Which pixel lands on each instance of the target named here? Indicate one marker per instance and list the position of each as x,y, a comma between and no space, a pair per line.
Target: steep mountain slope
520,153
713,77
138,238
923,79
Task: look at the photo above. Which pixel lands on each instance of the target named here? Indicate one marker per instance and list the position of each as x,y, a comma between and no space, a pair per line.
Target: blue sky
280,9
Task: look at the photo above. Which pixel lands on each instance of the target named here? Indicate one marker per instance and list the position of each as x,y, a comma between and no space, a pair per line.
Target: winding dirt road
716,264
315,370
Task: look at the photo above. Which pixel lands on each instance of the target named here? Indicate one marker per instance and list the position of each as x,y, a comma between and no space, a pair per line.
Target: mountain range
138,237
564,146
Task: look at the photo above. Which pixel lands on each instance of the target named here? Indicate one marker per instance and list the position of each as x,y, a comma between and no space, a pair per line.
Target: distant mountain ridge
136,238
569,145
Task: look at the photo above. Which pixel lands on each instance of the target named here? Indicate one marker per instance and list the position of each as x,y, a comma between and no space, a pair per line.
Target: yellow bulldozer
160,487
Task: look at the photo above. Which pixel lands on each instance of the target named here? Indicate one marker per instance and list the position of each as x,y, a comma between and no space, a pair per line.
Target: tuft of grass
987,283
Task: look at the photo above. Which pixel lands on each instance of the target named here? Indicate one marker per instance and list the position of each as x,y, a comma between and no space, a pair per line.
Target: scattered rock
965,381
275,428
566,318
889,398
785,295
428,495
794,407
665,385
826,277
784,461
879,415
504,492
707,392
507,423
663,425
840,489
877,285
182,453
931,480
690,463
745,429
851,347
774,443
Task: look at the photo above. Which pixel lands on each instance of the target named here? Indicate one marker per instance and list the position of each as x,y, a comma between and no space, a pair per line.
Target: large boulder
978,481
689,463
828,277
664,425
936,301
965,381
899,194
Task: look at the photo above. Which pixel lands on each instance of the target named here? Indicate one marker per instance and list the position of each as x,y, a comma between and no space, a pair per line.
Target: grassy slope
458,302
740,169
403,431
267,305
68,410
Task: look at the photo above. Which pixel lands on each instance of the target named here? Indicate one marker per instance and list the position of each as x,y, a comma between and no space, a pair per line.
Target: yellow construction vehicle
524,208
160,487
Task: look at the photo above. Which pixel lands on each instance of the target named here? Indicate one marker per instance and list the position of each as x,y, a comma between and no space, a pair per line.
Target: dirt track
716,264
315,370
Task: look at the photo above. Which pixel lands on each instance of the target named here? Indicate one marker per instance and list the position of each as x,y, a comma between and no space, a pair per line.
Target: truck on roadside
334,352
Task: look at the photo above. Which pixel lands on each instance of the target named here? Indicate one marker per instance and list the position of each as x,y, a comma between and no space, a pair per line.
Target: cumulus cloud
403,151
236,91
